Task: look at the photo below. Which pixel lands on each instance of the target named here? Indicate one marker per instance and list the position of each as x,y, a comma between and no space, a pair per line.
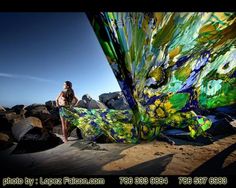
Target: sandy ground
78,157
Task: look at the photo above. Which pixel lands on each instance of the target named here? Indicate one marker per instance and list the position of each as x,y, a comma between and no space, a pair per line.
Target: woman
64,100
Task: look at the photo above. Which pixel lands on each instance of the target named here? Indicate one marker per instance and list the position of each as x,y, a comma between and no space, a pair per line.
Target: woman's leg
64,129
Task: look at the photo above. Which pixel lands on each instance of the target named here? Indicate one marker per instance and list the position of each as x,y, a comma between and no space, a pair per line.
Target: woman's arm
76,101
57,99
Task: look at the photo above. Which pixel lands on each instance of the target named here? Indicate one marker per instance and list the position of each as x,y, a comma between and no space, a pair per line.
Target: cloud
6,75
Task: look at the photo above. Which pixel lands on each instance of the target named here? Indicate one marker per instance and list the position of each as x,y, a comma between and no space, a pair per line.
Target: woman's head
67,85
68,92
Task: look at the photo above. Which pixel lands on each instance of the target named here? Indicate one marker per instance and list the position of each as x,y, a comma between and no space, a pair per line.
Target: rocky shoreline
38,123
35,131
33,127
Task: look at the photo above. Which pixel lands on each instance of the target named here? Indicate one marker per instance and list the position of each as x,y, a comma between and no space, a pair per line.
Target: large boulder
35,140
2,109
105,97
51,105
18,108
36,110
4,137
86,98
82,104
93,104
5,125
48,119
5,141
114,100
51,119
89,103
12,117
21,128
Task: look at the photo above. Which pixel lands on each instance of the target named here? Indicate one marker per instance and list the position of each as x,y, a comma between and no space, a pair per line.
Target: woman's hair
68,93
68,83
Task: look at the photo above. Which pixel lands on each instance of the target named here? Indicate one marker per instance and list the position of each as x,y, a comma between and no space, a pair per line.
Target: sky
40,51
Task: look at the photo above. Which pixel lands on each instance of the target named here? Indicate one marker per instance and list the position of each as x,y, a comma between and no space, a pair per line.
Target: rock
36,110
6,108
36,140
41,112
86,98
72,133
49,120
4,137
57,129
93,104
82,104
19,131
76,133
89,103
34,121
51,105
12,117
2,109
105,97
115,100
4,141
79,133
18,108
5,125
52,117
21,128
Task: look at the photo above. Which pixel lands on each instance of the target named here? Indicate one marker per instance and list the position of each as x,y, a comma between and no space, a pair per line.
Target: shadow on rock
36,140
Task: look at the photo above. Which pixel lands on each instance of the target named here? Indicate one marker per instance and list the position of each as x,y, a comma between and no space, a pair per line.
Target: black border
117,5
115,181
120,5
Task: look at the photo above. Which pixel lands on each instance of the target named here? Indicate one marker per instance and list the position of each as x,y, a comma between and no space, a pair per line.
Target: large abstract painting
171,67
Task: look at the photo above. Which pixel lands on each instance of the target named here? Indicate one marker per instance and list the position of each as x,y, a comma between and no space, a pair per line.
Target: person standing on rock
65,100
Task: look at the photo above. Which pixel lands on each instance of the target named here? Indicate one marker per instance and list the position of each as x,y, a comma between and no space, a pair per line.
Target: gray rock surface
114,100
82,104
21,128
105,97
87,98
36,110
93,104
50,105
2,109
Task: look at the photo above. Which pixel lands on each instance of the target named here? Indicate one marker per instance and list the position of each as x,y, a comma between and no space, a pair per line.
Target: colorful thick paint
169,66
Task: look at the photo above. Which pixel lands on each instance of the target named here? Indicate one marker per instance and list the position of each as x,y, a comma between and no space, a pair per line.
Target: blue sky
39,51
